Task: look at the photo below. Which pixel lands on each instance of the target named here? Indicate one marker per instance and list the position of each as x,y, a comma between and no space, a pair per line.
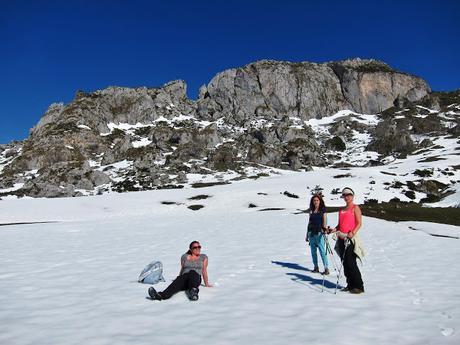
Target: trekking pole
346,243
329,250
324,276
325,241
322,285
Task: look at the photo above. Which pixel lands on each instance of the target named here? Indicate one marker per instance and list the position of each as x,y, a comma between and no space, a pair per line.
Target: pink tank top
347,221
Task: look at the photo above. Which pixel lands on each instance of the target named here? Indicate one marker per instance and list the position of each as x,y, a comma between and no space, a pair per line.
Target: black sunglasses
344,195
196,247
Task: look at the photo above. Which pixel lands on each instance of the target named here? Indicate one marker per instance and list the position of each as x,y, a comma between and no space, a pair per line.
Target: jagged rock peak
358,62
176,87
120,139
273,89
116,104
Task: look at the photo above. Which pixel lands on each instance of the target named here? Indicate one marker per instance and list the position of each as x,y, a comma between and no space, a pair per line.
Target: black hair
322,206
190,247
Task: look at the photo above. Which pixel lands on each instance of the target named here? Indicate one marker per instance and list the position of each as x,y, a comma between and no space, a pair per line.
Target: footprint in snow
404,282
233,275
416,301
415,292
445,315
446,331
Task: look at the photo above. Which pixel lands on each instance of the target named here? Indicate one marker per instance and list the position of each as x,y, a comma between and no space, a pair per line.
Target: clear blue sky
50,49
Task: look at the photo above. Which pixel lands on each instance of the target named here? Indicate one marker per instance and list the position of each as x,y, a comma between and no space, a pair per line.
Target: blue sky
50,49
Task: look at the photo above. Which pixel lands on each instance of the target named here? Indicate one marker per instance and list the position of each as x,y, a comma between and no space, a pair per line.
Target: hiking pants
185,281
317,242
350,266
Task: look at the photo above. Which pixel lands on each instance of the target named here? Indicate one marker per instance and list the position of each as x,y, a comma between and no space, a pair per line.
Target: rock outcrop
257,115
273,89
393,135
117,105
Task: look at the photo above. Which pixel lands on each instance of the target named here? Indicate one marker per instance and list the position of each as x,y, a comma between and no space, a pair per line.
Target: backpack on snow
152,273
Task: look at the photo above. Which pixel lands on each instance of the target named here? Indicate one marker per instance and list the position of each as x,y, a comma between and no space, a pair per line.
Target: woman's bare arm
205,273
358,221
181,266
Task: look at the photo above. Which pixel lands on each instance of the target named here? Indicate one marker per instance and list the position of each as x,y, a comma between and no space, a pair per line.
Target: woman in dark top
316,226
193,266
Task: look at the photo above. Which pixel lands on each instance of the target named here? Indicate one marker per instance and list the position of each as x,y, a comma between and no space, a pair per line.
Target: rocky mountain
247,122
272,89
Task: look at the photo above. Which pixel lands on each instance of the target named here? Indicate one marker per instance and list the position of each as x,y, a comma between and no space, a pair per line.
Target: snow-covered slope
74,281
429,171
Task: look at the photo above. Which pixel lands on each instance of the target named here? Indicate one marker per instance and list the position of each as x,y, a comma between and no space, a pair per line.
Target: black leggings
185,281
350,266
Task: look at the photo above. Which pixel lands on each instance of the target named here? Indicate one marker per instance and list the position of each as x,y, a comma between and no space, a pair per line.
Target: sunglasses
344,195
196,247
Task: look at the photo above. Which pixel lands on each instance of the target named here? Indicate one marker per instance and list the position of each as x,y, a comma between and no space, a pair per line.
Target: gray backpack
152,273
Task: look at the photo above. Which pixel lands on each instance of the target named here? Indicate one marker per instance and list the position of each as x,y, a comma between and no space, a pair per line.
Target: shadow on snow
314,283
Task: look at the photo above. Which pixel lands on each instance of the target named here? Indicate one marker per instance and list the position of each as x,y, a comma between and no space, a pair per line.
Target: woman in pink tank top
350,219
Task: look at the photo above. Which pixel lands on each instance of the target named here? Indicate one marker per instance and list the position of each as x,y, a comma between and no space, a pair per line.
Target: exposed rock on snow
263,116
273,89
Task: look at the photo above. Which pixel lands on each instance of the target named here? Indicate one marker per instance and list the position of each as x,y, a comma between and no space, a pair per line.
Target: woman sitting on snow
193,266
348,244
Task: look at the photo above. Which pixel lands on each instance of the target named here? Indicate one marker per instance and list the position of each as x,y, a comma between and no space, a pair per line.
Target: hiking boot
193,294
154,294
315,270
345,289
326,271
356,291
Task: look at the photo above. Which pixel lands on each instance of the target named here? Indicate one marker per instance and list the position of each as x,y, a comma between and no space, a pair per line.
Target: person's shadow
314,283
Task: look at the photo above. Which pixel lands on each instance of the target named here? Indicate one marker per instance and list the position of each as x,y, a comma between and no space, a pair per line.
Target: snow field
74,281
